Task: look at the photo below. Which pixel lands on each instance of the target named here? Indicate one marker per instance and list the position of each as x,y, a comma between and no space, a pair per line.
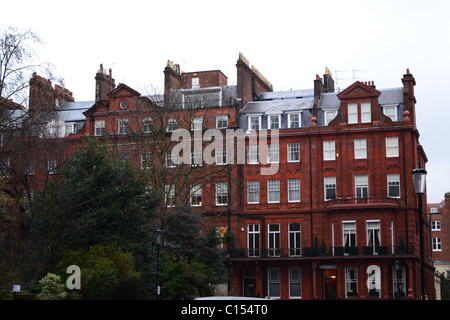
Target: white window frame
295,238
390,111
273,240
253,240
352,111
329,150
366,112
123,125
392,149
147,123
195,83
435,225
170,195
196,123
172,124
348,233
100,127
250,117
437,244
273,153
220,119
274,282
253,191
393,180
146,160
271,121
373,228
360,148
351,279
293,152
252,154
221,193
329,183
221,156
289,122
273,190
196,195
295,279
171,163
294,186
329,115
361,186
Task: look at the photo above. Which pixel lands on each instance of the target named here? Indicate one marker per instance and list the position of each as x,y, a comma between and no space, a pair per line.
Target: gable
358,90
123,90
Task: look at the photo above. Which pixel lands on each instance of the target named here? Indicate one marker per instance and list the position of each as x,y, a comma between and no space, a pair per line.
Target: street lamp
158,238
419,178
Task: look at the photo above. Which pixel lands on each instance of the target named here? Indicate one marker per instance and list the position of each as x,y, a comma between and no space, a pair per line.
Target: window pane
273,189
294,189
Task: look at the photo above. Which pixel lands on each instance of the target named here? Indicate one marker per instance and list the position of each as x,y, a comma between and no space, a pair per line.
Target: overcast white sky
289,42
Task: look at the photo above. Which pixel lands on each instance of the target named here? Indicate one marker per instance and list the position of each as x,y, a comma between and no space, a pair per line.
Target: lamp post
419,178
158,237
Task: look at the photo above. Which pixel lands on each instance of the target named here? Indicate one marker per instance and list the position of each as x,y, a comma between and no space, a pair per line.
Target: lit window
196,195
221,193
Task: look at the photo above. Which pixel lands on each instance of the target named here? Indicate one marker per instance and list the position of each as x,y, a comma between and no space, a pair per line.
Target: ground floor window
351,282
399,283
295,283
274,282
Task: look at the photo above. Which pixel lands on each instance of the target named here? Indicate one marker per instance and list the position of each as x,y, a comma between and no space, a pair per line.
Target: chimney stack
104,84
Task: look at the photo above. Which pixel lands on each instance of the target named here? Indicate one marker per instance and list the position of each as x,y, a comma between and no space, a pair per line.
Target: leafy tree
52,288
97,201
106,271
187,278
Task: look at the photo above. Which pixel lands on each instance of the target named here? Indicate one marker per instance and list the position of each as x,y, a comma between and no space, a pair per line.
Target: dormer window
294,120
390,111
274,121
329,115
254,122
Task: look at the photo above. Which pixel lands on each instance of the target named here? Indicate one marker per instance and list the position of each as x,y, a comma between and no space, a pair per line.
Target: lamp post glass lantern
419,178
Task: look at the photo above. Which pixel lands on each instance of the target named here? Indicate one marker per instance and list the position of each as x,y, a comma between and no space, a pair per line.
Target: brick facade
340,204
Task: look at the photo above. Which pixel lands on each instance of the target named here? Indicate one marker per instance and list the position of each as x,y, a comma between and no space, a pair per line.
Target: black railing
321,252
369,200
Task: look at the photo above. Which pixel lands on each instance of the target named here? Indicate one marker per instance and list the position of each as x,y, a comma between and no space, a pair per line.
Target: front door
249,282
330,287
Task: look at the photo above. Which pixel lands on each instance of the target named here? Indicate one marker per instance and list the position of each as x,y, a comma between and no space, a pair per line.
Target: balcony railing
369,200
307,252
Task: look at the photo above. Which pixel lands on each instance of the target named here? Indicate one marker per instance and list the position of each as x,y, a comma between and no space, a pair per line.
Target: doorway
330,284
249,282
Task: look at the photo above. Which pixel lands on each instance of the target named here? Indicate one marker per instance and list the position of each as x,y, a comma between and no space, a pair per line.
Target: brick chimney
104,84
172,78
409,99
45,98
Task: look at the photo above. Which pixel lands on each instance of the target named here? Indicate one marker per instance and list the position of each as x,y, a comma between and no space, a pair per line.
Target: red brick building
339,218
439,219
336,218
